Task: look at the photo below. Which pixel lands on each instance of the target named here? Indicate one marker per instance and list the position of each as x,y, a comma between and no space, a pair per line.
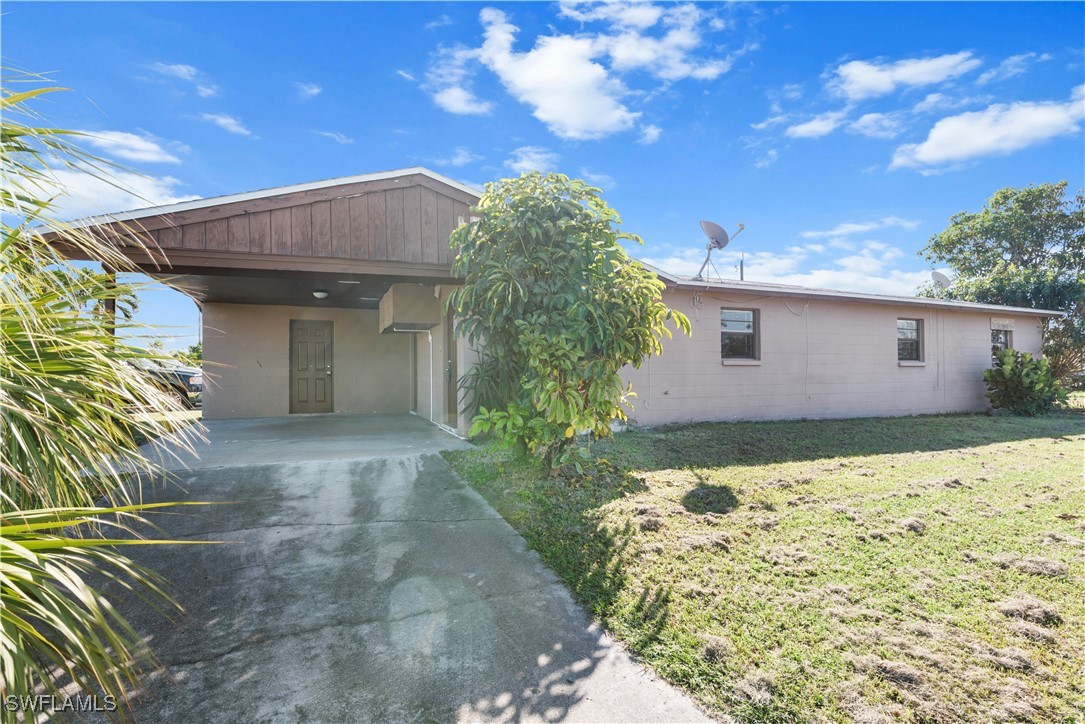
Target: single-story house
328,297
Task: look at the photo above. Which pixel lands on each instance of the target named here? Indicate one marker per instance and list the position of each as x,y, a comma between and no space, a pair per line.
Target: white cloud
639,15
877,125
860,79
669,56
87,195
999,129
941,102
787,92
573,82
818,126
405,75
792,91
688,261
204,89
335,136
532,158
307,90
177,70
129,146
851,228
1013,66
649,134
601,180
462,102
461,156
226,123
774,120
569,92
440,22
931,102
868,270
449,80
770,157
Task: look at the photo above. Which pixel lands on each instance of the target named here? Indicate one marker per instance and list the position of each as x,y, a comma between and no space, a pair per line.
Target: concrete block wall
819,359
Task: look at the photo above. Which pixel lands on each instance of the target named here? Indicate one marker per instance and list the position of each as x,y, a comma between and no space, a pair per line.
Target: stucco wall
247,353
431,355
818,359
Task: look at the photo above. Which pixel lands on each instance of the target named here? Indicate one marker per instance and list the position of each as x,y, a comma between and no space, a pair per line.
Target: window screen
738,334
1000,339
908,340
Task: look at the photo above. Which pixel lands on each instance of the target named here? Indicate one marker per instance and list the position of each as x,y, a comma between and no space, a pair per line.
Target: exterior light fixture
320,294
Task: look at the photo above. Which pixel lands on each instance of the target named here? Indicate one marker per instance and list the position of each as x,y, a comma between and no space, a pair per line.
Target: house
328,297
770,351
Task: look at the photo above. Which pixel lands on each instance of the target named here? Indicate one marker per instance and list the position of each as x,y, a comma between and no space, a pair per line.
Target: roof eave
137,214
830,294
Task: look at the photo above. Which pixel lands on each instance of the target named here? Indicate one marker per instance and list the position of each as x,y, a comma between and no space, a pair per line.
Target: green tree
73,409
1025,248
556,308
194,354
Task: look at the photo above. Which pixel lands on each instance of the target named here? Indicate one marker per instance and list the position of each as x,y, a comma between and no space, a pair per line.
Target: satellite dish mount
941,281
717,239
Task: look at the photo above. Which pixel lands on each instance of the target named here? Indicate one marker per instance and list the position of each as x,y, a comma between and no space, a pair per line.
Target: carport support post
110,303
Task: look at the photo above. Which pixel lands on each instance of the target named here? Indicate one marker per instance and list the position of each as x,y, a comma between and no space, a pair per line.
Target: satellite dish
716,234
941,281
717,239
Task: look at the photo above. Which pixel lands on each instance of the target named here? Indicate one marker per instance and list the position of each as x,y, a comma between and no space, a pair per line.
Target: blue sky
842,134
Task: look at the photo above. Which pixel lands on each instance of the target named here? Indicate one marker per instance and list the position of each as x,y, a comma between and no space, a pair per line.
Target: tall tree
558,307
1025,248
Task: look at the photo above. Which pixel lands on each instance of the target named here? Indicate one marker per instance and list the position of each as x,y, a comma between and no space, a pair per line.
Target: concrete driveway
362,580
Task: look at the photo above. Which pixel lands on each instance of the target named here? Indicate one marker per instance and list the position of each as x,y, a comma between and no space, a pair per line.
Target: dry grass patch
919,569
1030,608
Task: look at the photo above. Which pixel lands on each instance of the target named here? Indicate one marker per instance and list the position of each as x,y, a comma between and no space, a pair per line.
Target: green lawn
928,568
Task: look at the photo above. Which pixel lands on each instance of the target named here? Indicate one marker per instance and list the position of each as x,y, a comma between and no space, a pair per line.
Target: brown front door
310,366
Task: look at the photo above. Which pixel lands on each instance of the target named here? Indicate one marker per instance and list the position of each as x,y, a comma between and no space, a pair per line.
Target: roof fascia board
196,204
828,294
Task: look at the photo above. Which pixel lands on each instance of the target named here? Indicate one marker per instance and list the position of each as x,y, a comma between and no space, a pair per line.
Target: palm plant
73,409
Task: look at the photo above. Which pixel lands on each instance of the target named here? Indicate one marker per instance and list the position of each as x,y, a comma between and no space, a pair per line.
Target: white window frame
919,339
755,333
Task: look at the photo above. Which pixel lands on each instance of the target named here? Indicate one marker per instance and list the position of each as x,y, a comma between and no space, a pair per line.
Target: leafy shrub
556,308
1021,384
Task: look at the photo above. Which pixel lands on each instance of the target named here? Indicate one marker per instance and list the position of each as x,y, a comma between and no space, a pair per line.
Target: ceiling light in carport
349,281
320,294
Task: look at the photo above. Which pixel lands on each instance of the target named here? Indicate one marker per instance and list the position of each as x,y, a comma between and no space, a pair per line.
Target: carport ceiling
352,291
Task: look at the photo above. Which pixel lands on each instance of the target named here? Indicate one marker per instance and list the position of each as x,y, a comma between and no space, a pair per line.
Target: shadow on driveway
367,586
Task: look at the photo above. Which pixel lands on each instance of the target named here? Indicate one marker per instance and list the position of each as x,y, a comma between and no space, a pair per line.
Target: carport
323,297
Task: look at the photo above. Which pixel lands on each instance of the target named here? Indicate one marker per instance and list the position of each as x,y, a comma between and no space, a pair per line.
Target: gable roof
674,280
790,290
203,203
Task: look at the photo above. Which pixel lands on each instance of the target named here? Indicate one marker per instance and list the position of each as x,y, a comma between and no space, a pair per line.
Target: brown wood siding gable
404,222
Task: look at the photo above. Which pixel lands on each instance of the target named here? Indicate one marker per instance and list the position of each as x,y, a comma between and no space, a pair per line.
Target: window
738,334
910,340
1000,339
